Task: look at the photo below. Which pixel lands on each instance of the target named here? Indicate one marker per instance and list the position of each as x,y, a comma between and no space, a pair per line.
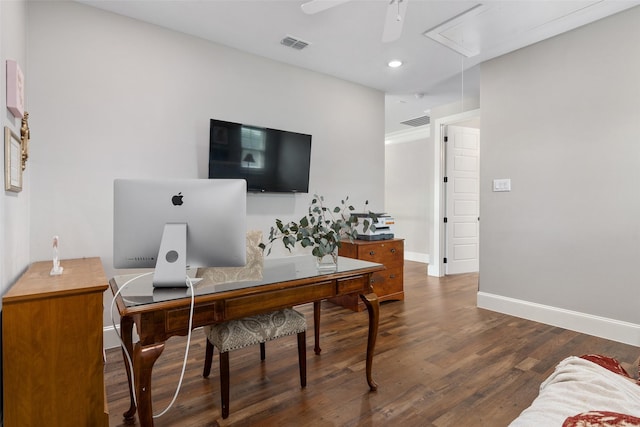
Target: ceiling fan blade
315,6
394,21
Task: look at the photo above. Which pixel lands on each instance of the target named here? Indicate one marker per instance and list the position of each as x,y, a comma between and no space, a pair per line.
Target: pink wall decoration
15,89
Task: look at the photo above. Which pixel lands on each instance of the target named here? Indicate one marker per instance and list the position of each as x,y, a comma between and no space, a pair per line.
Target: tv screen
270,160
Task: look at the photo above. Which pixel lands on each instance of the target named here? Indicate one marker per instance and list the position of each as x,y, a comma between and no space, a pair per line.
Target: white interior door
462,199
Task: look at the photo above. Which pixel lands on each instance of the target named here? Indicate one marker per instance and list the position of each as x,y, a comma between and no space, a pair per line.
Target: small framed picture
12,161
15,89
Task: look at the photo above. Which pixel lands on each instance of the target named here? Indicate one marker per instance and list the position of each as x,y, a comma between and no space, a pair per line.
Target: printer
381,230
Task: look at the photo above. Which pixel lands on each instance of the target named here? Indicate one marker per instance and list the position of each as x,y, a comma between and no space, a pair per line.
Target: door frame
436,266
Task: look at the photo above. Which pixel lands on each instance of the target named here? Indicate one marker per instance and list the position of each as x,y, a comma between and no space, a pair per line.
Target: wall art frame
15,89
12,161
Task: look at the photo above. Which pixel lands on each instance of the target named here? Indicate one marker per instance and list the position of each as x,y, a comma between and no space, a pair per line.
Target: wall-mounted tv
270,160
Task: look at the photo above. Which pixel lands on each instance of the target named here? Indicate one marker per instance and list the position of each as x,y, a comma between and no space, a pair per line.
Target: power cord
128,356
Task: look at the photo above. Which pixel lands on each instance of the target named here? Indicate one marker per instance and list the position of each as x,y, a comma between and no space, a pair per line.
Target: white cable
128,356
186,350
122,344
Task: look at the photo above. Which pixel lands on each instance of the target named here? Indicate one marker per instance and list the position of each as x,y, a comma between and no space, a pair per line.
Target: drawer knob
393,250
392,276
372,253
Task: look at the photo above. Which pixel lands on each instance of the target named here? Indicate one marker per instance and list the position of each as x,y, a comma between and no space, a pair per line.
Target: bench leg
224,383
208,356
302,358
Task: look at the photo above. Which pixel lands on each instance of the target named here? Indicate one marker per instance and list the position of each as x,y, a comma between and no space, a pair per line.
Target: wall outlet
502,184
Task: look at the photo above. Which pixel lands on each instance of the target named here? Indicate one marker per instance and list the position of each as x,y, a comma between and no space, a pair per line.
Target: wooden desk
52,345
160,313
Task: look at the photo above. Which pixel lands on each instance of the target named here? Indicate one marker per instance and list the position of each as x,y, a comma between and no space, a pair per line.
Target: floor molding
416,256
110,338
615,330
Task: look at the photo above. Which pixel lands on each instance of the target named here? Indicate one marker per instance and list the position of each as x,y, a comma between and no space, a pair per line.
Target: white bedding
578,386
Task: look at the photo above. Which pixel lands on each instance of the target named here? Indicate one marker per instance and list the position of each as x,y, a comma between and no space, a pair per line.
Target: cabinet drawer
178,318
356,284
252,304
388,253
388,282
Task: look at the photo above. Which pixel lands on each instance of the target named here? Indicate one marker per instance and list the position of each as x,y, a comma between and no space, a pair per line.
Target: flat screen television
269,160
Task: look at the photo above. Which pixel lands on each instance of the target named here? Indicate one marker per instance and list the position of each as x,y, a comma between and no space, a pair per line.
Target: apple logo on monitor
177,199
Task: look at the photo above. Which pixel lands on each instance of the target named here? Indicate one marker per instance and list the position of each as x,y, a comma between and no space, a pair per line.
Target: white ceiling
346,40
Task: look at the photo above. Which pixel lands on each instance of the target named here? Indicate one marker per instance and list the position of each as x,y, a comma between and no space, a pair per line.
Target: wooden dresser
53,369
387,284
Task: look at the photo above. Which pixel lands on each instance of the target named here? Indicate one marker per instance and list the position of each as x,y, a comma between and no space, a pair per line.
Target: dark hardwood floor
440,361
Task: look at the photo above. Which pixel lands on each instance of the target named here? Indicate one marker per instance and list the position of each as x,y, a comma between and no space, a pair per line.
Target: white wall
408,189
413,186
14,207
562,120
114,97
442,116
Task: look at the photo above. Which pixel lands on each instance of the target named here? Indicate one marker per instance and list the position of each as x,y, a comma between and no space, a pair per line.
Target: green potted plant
321,229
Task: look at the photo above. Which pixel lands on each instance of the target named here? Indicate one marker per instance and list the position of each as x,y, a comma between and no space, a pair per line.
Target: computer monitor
172,225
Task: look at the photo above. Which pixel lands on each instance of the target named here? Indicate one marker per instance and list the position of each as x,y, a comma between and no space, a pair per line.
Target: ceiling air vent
418,121
294,43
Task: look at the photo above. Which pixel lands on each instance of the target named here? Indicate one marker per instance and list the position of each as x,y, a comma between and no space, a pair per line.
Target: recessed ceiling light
395,63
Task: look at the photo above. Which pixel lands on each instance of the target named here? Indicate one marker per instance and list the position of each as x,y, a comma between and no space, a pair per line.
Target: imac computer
172,225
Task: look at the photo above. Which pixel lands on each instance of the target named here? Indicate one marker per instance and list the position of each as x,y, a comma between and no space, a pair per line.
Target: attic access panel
495,28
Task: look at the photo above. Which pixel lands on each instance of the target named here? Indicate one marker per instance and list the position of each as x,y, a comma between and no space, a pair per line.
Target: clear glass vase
327,263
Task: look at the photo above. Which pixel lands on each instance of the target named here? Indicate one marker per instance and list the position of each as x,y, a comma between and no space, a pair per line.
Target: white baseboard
432,270
417,257
110,337
611,329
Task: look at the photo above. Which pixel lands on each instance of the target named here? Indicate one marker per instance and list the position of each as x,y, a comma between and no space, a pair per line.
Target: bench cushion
236,334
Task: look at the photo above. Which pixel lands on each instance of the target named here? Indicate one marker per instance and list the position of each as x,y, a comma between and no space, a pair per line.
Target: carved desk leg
143,360
126,327
373,308
316,326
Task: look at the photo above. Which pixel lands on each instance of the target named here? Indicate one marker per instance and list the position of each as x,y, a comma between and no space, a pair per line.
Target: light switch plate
502,184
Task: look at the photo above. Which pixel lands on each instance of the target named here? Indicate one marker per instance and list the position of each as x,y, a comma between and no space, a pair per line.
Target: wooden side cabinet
387,284
53,368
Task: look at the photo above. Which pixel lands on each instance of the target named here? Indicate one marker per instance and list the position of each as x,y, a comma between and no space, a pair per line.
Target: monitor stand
171,264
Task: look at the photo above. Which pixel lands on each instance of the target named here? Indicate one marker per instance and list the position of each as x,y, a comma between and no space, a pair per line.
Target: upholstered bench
237,334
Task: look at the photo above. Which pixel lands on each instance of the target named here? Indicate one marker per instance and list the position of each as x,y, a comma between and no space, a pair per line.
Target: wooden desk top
79,276
277,273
